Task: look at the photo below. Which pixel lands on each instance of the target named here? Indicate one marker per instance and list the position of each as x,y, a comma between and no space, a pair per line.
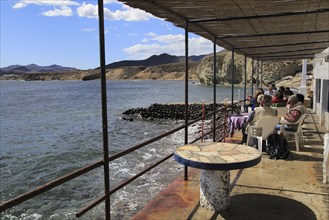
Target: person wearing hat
295,109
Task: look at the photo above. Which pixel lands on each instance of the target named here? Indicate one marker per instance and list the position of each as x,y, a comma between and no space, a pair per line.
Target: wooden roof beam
323,10
310,56
271,34
283,45
289,51
280,56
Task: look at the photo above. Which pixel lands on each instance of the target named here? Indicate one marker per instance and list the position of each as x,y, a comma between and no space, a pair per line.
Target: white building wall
321,87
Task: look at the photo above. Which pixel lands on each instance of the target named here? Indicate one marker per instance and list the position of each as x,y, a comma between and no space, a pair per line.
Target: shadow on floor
301,157
269,207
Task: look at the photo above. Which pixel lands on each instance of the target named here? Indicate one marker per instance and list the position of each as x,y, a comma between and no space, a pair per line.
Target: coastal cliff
287,73
167,67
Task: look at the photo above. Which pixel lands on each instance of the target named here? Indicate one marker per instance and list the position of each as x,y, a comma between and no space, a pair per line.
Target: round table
215,159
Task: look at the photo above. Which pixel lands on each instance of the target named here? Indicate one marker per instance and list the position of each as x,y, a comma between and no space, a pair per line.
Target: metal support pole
245,81
214,84
261,74
233,70
303,87
252,76
258,71
186,93
104,109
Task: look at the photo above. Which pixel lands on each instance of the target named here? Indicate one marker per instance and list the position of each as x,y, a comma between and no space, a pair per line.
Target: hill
33,68
168,67
154,60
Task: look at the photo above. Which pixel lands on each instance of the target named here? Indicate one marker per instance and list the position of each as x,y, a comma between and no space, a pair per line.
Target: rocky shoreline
171,111
177,112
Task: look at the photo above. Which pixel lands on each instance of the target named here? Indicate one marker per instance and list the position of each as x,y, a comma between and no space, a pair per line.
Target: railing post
186,94
261,74
258,72
252,76
225,121
245,81
214,84
233,70
104,109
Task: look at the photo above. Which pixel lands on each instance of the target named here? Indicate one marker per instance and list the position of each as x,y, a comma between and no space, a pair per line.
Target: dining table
236,121
215,160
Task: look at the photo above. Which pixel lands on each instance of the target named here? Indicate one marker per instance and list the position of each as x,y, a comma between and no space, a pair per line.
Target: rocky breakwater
171,111
177,112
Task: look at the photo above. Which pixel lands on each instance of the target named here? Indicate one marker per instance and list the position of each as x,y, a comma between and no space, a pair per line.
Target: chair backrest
277,105
281,110
300,121
267,124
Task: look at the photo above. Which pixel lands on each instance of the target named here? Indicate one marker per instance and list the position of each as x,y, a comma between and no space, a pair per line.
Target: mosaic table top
217,156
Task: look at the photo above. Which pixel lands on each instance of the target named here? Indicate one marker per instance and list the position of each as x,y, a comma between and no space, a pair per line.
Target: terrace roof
264,30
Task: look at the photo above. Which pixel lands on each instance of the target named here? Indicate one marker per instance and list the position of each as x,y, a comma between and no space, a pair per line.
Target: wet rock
171,111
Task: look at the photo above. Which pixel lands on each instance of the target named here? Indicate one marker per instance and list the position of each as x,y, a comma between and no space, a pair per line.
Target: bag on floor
277,147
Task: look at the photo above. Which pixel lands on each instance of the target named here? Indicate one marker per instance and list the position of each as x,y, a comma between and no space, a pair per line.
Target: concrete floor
272,190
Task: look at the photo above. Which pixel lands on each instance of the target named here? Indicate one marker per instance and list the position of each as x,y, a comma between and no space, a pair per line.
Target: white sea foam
23,216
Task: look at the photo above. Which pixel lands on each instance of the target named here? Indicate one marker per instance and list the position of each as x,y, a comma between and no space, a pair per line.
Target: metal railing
57,182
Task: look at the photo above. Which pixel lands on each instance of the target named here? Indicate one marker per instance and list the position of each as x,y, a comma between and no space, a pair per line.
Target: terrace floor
272,190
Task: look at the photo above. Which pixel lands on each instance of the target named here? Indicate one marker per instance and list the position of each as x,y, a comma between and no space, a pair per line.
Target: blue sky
65,32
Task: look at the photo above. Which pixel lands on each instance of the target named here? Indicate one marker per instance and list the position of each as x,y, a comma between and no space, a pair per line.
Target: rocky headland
167,67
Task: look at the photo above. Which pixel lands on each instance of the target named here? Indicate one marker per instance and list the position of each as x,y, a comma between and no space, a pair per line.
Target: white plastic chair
296,130
262,130
281,110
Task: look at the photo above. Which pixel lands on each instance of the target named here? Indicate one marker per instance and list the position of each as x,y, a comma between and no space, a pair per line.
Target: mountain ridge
34,68
158,67
153,60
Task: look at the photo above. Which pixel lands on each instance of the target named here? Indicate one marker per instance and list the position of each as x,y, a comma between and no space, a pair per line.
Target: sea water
51,128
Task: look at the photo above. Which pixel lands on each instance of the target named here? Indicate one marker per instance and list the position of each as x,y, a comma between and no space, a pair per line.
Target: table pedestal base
214,189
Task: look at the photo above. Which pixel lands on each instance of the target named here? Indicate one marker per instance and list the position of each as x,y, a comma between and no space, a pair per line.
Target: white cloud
144,50
88,29
170,38
24,3
111,1
88,10
145,40
62,11
127,13
151,34
171,44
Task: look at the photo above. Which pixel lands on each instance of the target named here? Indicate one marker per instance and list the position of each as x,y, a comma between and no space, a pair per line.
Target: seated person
274,88
253,100
270,91
288,91
301,98
260,100
295,110
278,98
281,89
285,96
257,113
